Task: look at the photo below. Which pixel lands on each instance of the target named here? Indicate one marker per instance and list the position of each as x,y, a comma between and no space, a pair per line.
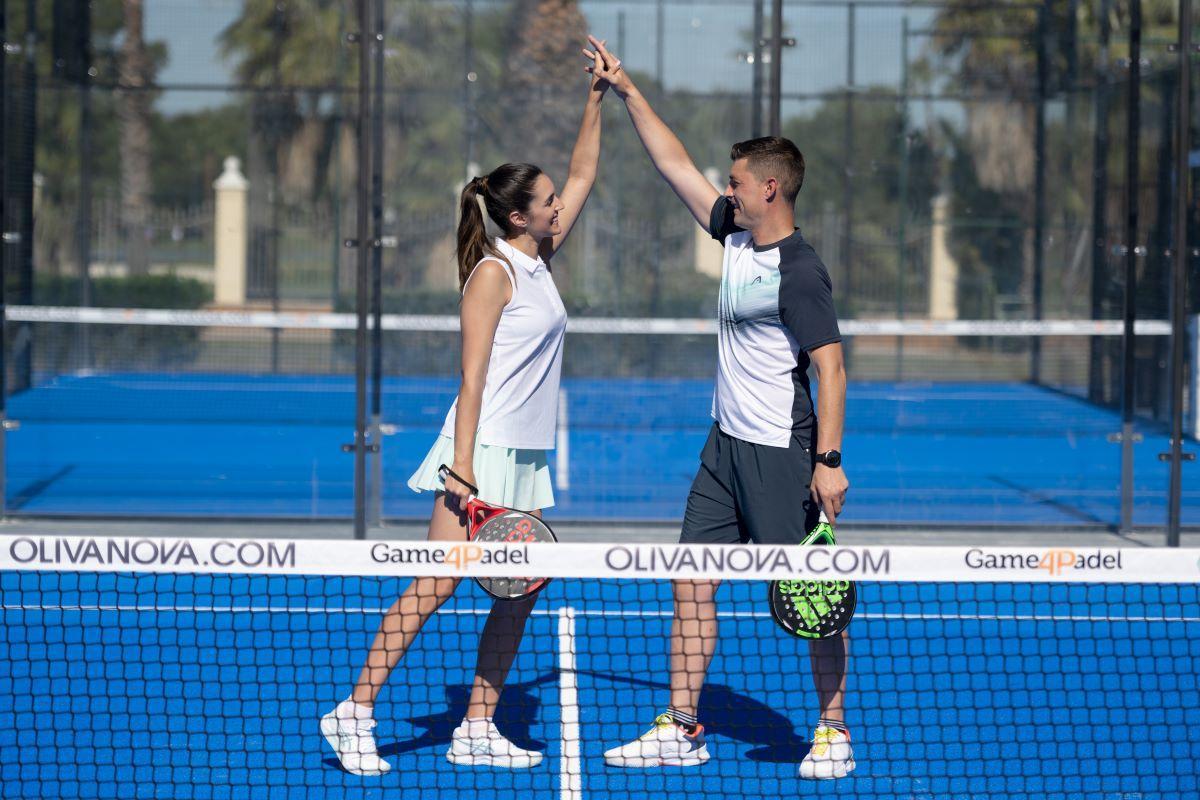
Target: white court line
570,771
581,613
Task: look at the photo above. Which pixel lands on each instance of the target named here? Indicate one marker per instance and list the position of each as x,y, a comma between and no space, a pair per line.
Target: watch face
832,459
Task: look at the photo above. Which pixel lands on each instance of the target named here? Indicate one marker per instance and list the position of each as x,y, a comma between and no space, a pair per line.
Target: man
776,318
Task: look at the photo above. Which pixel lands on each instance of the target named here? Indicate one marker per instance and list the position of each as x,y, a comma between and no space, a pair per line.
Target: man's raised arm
666,151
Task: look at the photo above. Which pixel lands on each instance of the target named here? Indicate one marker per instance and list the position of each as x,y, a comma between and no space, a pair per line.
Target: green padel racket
813,609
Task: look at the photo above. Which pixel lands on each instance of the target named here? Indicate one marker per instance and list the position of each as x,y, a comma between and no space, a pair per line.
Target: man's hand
606,67
828,489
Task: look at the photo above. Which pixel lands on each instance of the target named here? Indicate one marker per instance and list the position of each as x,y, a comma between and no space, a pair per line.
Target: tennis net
202,668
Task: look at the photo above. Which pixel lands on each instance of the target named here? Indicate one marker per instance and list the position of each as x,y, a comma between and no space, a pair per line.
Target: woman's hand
458,489
606,67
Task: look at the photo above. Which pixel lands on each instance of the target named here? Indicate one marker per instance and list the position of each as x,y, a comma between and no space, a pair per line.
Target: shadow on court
1044,499
34,490
515,716
728,713
772,735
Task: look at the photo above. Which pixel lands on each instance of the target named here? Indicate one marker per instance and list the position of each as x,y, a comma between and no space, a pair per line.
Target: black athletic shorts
745,492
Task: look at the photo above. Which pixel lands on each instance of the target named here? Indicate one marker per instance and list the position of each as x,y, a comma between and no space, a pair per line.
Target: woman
495,436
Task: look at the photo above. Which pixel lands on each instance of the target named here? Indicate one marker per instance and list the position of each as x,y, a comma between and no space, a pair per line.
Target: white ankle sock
477,726
348,709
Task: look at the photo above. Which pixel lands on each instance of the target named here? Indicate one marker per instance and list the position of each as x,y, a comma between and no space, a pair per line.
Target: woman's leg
497,648
404,620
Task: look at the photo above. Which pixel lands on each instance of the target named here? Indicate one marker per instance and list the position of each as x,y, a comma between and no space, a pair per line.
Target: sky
701,43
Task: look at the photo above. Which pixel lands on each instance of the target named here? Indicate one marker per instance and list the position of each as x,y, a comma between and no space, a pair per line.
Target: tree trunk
133,114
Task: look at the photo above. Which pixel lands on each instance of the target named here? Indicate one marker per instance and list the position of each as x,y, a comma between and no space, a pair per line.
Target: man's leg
767,481
677,737
693,641
831,755
828,659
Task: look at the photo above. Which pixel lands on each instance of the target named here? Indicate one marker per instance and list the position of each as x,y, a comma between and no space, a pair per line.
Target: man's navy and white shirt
776,305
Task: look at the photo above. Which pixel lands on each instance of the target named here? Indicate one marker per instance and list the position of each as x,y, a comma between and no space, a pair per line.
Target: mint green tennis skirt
507,476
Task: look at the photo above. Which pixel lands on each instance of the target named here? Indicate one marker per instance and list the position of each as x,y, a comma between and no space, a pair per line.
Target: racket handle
443,471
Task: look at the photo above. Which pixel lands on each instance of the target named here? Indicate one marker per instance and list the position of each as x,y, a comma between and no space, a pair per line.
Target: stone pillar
943,269
230,230
709,253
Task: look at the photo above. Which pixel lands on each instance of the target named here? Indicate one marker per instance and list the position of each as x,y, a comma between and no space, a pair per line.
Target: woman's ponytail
507,188
473,242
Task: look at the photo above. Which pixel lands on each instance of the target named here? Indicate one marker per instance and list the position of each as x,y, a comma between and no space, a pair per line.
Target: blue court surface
121,686
263,446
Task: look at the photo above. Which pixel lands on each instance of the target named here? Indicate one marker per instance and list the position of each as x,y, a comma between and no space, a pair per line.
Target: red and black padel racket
489,523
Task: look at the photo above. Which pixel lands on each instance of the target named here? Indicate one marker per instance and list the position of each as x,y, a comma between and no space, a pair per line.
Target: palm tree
546,79
292,51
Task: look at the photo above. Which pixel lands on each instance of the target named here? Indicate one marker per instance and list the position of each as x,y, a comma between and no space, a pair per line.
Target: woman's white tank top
520,394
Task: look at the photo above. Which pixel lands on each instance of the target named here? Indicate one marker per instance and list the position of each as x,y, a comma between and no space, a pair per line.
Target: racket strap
443,471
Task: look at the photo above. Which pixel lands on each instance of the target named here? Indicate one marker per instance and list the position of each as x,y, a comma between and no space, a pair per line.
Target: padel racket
488,523
813,609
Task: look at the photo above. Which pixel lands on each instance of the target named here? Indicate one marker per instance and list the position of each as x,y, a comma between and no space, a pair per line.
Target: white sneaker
348,730
478,743
830,757
664,745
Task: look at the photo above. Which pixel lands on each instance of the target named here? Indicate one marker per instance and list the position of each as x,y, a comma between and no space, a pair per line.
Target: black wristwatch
830,458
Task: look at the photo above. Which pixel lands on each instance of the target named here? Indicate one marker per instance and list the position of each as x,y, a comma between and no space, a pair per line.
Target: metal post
1133,126
273,159
339,100
776,66
1039,192
756,90
375,507
83,220
3,257
362,285
1182,257
902,222
23,361
1067,87
848,163
1097,345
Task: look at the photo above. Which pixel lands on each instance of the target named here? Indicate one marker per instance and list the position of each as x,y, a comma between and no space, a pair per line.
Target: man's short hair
773,157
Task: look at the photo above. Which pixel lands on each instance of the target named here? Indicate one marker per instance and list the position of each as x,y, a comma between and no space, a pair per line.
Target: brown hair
507,188
773,157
